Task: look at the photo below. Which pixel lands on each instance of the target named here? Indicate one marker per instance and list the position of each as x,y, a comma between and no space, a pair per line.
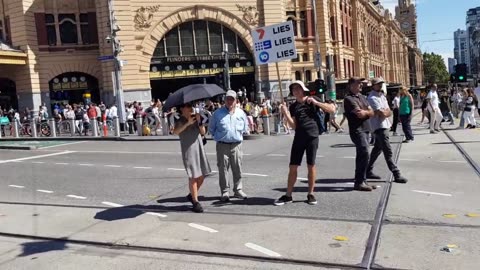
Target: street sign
274,43
318,60
105,58
371,74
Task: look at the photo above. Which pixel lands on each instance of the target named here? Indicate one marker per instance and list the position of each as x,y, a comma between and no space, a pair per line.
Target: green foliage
434,67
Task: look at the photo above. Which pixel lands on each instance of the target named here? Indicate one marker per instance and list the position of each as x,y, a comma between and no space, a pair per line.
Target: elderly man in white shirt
433,106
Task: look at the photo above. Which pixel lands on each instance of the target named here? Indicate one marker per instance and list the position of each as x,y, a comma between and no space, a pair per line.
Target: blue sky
437,20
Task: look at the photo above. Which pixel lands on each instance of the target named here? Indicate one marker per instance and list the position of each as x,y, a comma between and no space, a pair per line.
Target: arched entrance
193,52
8,94
73,88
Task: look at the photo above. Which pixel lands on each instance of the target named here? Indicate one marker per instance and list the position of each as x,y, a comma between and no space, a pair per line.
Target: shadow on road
118,213
31,248
331,181
342,145
318,189
457,142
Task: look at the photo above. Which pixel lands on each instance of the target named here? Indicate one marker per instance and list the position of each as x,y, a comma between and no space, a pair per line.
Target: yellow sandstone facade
55,51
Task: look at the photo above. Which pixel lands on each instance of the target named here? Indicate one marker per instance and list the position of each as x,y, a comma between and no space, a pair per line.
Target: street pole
227,68
318,55
116,49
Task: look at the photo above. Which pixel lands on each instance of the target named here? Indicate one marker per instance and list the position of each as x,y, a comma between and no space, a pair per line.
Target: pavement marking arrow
203,228
263,250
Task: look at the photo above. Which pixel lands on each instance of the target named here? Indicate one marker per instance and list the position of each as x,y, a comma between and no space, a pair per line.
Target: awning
11,56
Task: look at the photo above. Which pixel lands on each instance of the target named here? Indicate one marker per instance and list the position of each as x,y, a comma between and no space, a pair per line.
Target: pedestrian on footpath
358,112
395,106
405,111
227,126
190,129
434,109
381,125
301,116
471,103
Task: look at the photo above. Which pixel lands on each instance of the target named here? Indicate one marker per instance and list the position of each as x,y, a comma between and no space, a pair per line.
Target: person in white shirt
396,105
434,109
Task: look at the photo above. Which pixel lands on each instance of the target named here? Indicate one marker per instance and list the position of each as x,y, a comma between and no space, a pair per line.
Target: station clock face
405,25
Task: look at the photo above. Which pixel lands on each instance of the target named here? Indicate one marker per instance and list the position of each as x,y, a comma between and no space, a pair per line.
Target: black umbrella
192,93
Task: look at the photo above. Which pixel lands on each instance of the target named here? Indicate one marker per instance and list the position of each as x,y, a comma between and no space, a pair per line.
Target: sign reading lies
274,43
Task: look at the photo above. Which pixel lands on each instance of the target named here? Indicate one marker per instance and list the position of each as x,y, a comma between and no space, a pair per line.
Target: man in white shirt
112,112
477,93
434,109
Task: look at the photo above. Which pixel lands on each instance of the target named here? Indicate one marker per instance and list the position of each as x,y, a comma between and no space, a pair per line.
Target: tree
434,68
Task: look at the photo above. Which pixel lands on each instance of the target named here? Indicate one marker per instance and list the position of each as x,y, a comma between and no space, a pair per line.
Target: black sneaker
400,179
283,200
311,199
190,198
197,208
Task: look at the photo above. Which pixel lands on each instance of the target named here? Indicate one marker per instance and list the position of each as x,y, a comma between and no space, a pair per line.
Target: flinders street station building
60,51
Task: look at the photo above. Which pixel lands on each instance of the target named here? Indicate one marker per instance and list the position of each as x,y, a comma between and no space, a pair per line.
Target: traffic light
460,74
320,86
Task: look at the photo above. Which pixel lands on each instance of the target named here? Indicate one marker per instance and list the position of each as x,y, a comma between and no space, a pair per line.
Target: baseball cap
299,83
355,80
377,81
231,93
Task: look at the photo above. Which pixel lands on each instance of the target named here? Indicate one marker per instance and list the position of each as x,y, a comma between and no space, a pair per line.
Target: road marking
175,169
302,178
247,154
15,186
61,145
142,167
348,157
263,250
17,161
112,204
35,157
453,161
276,155
76,197
38,162
320,156
61,163
408,159
203,228
113,166
255,174
113,152
44,191
432,193
85,164
155,214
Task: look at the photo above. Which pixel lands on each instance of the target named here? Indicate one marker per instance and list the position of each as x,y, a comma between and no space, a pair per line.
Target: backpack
320,119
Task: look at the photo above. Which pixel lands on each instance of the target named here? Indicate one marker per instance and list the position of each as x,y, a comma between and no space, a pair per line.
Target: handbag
4,120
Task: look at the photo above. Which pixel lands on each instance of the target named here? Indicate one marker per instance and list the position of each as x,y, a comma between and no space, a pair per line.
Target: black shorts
302,144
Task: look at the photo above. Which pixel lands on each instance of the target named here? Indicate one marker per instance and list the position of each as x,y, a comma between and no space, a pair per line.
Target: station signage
274,43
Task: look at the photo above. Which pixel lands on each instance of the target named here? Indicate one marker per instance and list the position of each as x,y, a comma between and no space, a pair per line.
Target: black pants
360,139
395,121
407,128
382,144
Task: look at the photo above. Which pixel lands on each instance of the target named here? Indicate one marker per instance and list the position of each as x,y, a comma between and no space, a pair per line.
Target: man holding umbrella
227,126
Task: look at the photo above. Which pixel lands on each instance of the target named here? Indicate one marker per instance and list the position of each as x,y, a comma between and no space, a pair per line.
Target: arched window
68,29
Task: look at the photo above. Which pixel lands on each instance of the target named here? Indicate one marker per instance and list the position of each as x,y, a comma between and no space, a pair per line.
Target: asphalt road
133,193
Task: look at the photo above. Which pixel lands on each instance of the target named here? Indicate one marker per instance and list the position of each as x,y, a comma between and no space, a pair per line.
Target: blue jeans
407,128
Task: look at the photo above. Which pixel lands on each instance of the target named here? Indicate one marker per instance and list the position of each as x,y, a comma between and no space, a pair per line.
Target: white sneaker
240,195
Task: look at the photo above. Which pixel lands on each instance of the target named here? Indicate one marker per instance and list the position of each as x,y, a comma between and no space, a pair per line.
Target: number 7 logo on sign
261,33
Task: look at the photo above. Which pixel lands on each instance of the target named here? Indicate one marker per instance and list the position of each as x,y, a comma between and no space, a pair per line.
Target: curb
121,139
17,147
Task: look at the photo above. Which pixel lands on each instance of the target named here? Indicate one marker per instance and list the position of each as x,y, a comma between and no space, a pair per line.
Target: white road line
112,204
203,228
453,161
38,162
35,157
61,163
44,191
76,197
276,155
142,167
408,159
61,145
255,174
113,166
348,157
113,152
433,193
320,156
302,178
175,169
263,250
247,154
155,214
85,164
15,186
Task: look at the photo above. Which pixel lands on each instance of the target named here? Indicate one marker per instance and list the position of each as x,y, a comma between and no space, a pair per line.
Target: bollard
277,123
53,128
165,127
266,125
33,127
72,127
116,126
139,126
94,127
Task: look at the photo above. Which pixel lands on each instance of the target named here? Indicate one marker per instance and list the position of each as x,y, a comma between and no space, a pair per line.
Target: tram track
464,153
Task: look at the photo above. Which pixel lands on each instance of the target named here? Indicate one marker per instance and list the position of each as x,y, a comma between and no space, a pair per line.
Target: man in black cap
358,112
301,116
381,125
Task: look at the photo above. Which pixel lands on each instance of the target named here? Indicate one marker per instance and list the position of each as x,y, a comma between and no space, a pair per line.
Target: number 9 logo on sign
264,57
